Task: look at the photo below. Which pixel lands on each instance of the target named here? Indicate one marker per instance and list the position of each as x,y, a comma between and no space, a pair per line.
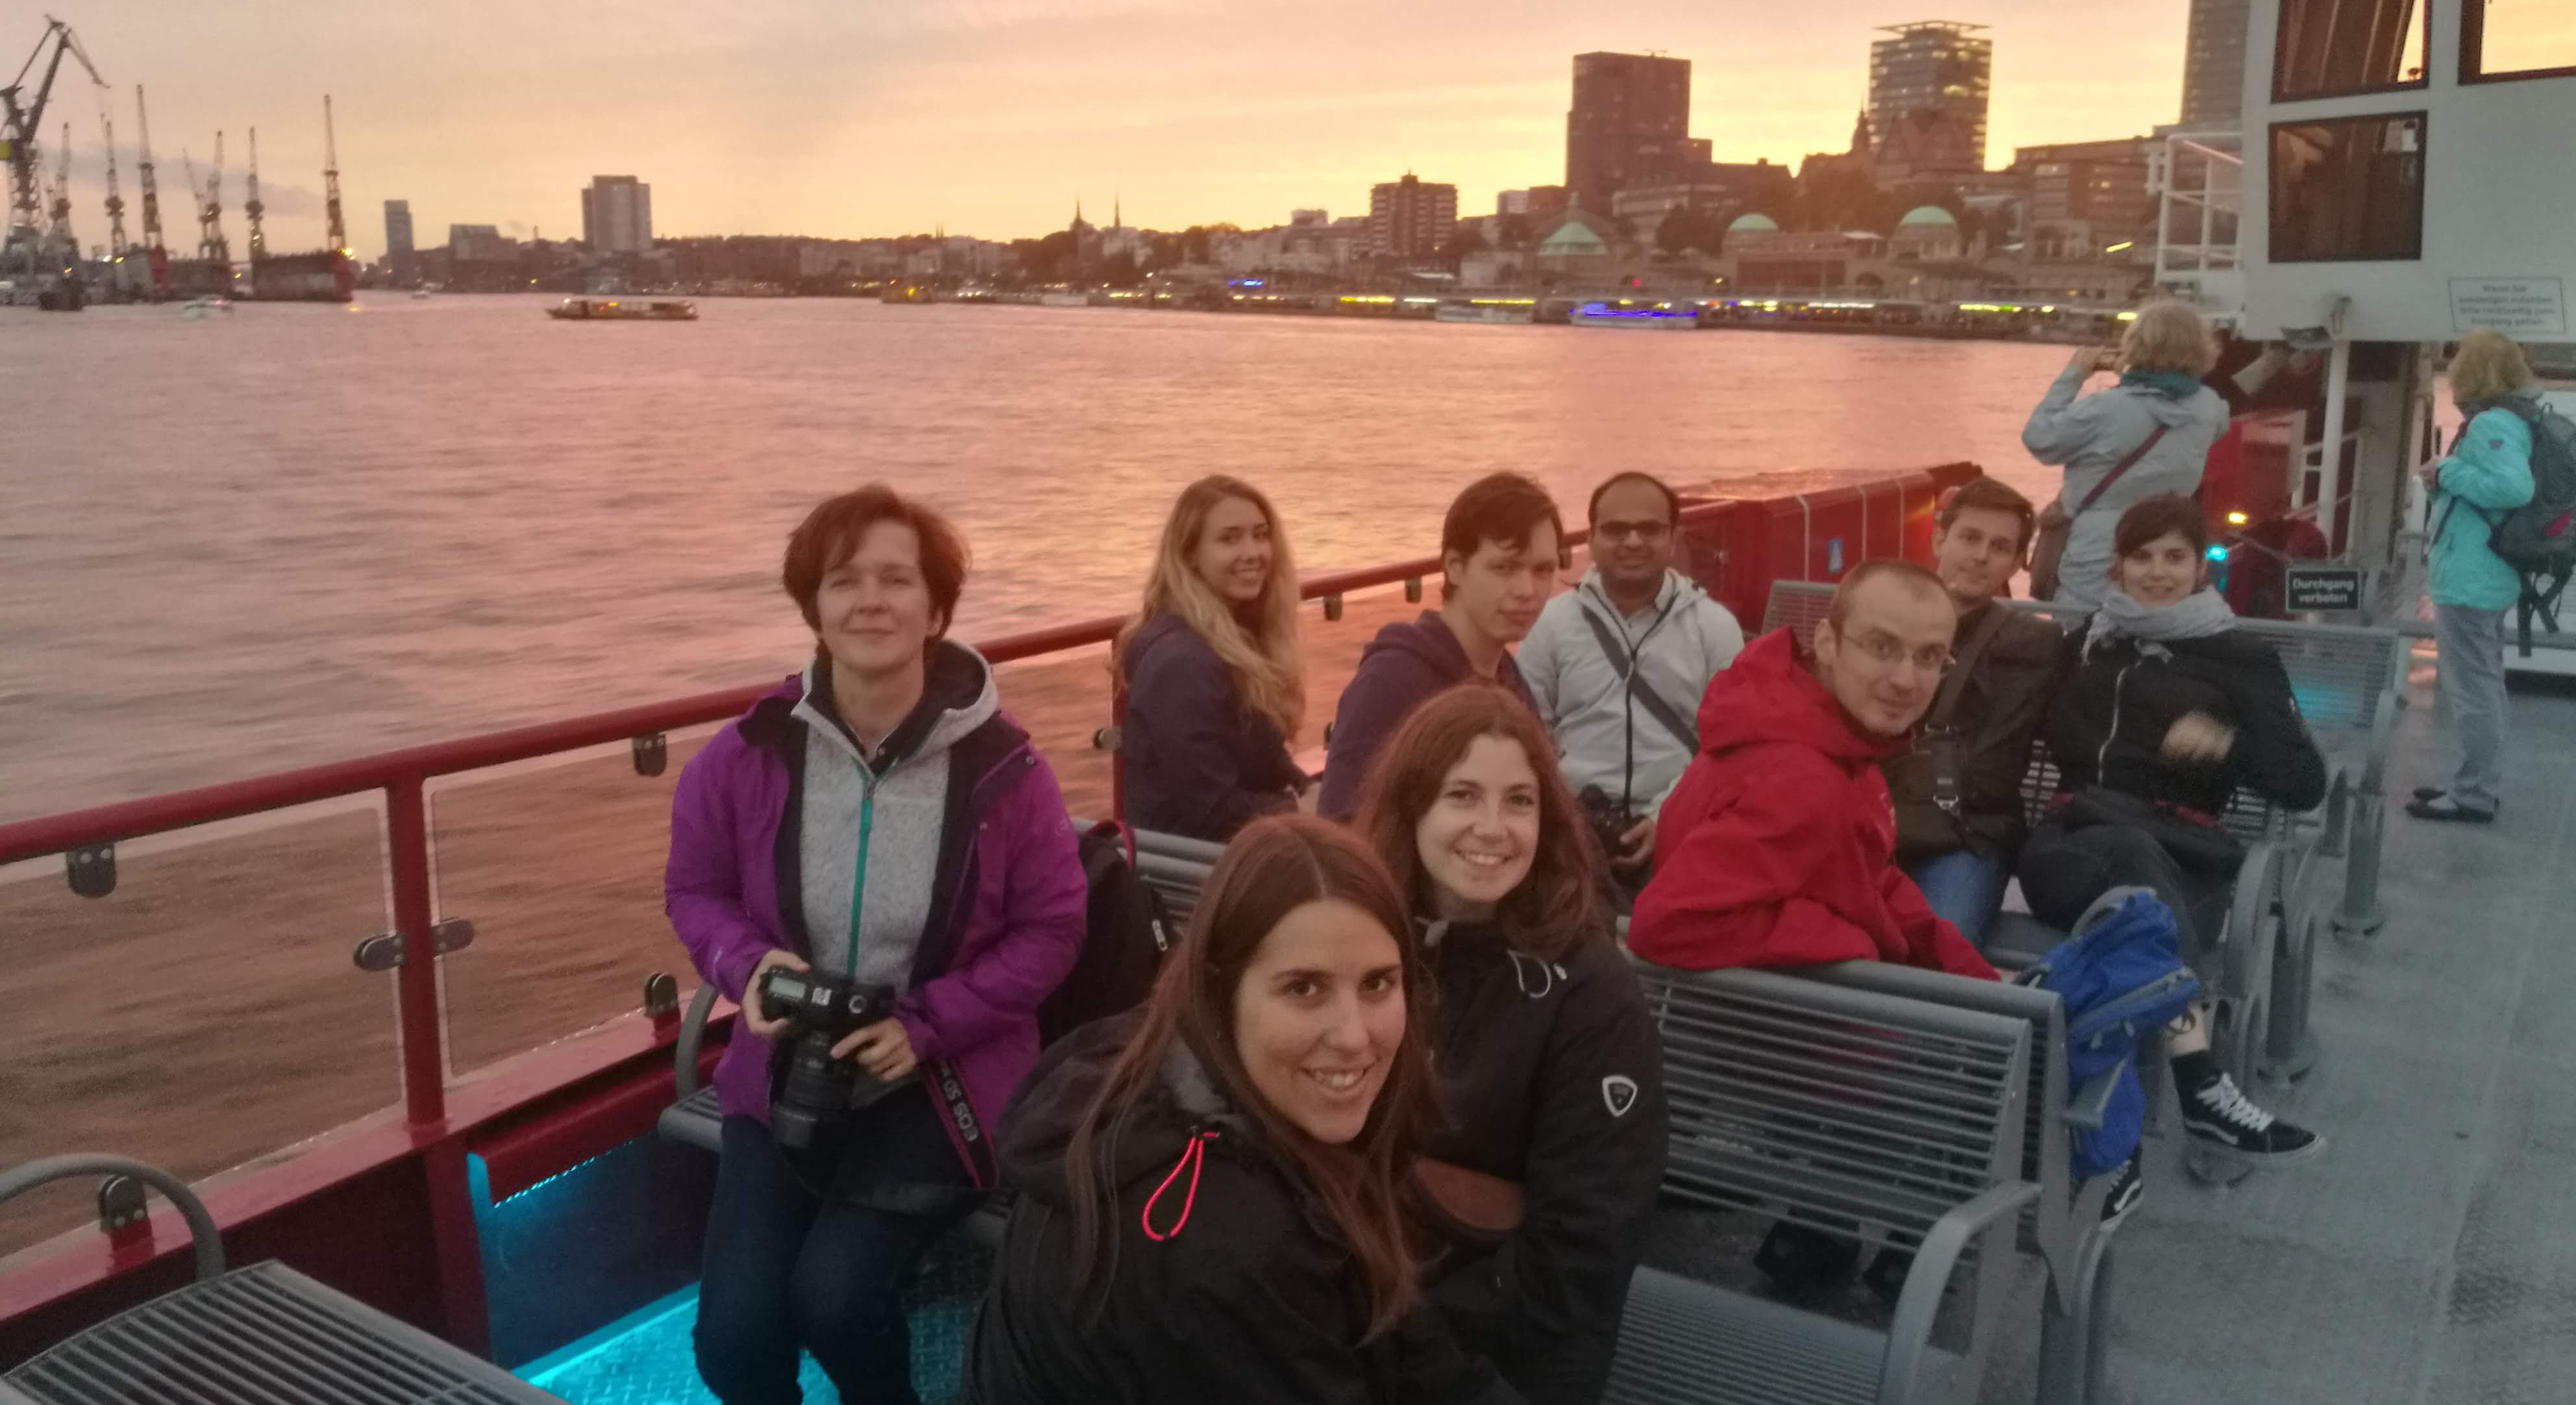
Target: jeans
2063,870
1965,889
2469,701
787,1269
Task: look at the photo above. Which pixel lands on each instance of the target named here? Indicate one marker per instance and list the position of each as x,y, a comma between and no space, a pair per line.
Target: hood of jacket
957,696
2162,408
1769,696
1427,640
1058,1091
1676,593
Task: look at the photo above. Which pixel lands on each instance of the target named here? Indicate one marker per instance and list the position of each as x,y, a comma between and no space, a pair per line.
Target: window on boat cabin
2507,39
2328,48
2348,189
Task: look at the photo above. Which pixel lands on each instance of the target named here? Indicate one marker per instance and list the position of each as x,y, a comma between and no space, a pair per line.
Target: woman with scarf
2167,709
2146,436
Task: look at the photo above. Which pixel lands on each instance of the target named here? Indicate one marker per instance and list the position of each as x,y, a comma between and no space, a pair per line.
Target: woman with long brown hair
1211,669
1211,1188
1548,1064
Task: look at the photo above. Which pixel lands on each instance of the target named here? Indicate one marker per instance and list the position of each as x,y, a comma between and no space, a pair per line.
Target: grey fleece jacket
871,827
2091,435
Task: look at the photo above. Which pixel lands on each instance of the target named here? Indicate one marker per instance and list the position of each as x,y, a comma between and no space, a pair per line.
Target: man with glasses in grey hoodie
1617,665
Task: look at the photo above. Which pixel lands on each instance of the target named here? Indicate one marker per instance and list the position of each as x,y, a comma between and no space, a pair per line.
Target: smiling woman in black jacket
1549,1067
1210,1189
1211,671
2166,710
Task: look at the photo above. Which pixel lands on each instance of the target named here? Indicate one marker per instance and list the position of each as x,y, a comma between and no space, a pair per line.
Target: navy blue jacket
1401,668
1199,763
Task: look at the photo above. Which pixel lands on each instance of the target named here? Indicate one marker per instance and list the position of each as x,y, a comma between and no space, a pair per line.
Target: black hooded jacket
1235,1294
1551,1074
1198,762
2108,725
1401,668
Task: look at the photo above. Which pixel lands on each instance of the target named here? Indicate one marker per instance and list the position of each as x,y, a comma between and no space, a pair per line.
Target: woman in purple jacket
876,821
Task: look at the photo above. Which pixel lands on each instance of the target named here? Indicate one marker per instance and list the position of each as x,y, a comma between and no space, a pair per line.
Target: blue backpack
2119,977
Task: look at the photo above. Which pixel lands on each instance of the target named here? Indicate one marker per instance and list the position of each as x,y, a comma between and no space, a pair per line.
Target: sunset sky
849,118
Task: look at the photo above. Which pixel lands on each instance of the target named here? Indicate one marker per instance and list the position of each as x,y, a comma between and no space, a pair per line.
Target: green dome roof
1926,215
1753,223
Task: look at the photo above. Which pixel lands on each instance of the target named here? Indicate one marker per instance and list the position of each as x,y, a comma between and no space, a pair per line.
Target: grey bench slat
263,1335
1686,1341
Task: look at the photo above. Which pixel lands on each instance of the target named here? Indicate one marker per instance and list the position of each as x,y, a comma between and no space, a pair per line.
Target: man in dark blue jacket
1499,550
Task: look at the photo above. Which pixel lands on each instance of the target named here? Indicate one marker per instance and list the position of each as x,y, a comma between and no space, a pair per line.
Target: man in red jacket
1776,848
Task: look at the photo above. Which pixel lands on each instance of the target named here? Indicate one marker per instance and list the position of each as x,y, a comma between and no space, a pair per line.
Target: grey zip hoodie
870,832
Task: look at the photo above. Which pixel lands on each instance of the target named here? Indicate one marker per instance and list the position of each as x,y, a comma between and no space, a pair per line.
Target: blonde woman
1214,678
2487,476
2144,437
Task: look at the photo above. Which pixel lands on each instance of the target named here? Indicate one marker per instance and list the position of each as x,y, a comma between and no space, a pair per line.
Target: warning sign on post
2517,307
2319,589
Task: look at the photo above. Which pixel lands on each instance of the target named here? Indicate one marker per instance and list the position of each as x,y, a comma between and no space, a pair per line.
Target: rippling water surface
297,534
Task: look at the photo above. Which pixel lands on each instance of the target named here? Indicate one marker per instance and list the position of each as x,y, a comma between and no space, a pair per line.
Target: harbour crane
116,242
22,115
143,178
211,244
58,228
331,180
251,206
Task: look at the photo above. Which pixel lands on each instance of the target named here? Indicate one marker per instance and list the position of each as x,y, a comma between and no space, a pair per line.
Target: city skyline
991,116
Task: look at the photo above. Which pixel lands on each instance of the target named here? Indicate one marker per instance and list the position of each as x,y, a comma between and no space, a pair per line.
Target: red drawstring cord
1193,1156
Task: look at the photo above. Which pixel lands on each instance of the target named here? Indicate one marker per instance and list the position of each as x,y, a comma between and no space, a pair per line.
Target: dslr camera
820,1012
1608,819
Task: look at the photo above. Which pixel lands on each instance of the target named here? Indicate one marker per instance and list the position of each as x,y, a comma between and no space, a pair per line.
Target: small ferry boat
195,309
1514,311
1637,316
623,310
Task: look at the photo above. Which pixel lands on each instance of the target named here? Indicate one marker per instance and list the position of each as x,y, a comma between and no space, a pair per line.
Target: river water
296,534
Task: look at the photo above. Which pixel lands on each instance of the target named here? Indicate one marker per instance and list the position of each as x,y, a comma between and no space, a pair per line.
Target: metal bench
2064,1225
262,1335
1880,1119
2346,682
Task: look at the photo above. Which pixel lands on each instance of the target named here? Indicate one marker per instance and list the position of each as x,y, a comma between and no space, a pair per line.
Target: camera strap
1638,688
965,1130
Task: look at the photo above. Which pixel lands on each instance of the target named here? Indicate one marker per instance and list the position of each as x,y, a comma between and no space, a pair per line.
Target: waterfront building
1928,87
1539,202
479,243
2213,66
1411,218
617,215
1630,124
401,254
1726,188
2086,198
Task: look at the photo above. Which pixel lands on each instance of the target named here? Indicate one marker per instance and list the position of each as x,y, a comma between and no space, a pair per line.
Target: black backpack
2538,539
1124,936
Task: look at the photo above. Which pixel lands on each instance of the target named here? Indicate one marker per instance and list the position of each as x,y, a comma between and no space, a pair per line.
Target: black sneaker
2217,1113
2128,1190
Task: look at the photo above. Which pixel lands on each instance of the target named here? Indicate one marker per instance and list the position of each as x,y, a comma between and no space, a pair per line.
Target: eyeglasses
1884,651
1647,532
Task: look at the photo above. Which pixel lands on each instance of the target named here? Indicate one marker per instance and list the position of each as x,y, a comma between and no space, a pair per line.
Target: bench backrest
2337,672
1176,868
1864,1115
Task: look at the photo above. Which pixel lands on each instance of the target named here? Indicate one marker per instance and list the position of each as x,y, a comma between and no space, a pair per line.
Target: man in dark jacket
1777,845
1957,788
1498,557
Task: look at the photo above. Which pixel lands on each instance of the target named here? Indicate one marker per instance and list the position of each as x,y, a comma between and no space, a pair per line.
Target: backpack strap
2119,468
1655,703
1946,701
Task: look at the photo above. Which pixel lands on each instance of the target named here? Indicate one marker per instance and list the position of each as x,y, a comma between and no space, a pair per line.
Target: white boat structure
624,310
198,309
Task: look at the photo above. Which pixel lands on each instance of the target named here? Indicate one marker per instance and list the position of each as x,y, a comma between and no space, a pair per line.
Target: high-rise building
1410,218
2087,198
617,215
1927,98
2213,66
400,254
1630,125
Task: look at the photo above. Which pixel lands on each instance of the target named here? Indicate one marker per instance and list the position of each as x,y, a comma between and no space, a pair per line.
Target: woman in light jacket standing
2487,476
2148,435
1210,667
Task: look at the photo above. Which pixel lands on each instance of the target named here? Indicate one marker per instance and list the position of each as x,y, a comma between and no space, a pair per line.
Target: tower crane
22,115
251,206
58,229
116,242
211,244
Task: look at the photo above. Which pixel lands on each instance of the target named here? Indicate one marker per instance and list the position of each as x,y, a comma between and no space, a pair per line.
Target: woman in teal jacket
2487,475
